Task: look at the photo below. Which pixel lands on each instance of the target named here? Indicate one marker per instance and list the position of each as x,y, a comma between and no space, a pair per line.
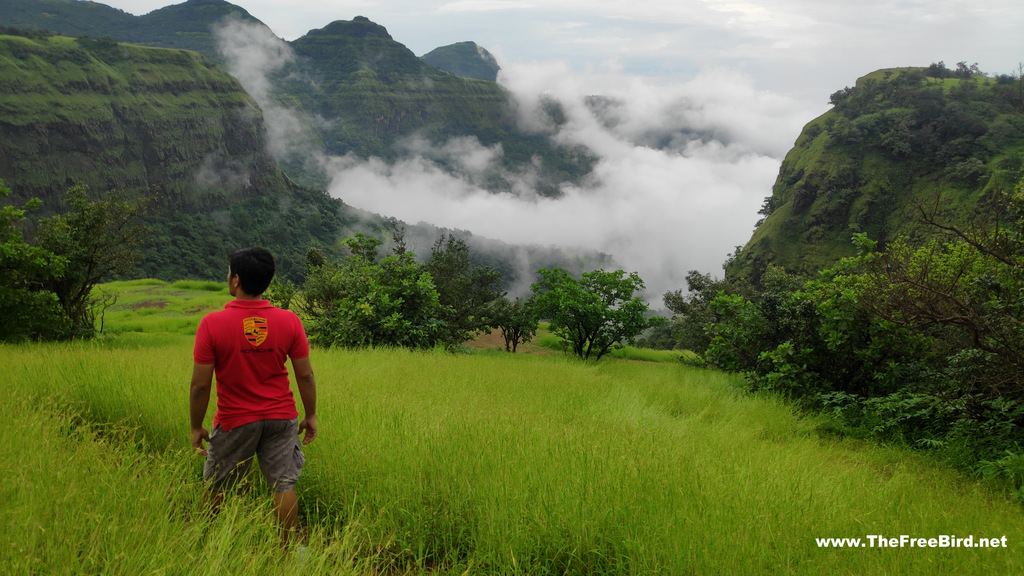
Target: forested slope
898,139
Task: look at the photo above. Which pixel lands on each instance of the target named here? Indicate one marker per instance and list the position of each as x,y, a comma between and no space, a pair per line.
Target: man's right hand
198,436
309,425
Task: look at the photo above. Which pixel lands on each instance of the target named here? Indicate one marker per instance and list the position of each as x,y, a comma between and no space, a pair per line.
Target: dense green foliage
47,288
898,137
465,291
466,59
919,342
595,314
26,310
691,312
362,301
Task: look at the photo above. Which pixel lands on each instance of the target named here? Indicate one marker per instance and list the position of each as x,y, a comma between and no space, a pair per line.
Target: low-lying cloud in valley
682,167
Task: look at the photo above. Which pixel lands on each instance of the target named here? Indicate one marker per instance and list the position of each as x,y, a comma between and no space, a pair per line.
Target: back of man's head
254,268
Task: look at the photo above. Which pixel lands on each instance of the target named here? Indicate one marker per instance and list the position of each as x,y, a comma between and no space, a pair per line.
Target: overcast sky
794,46
729,83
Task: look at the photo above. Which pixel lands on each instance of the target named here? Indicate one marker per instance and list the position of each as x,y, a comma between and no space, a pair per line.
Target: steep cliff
153,122
123,116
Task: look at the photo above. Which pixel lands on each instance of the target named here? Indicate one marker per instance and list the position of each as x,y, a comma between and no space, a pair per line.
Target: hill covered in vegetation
152,122
124,116
372,96
899,140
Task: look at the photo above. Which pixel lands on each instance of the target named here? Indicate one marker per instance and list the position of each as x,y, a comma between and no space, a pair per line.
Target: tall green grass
509,464
80,499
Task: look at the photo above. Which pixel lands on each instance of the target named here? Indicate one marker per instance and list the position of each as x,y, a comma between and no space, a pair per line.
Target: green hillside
899,137
67,18
152,121
119,115
466,59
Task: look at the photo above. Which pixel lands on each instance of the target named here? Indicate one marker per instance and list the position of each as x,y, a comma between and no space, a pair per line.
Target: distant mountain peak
465,59
358,27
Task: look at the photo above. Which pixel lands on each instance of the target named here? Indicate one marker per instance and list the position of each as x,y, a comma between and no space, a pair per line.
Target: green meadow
480,462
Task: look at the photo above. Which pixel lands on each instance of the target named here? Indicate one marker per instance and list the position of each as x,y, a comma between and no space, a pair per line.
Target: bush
365,302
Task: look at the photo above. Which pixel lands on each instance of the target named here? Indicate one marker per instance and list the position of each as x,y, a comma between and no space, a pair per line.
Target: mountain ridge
360,91
184,26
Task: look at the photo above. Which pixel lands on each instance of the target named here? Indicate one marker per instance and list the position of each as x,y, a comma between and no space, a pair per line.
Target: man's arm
198,402
306,383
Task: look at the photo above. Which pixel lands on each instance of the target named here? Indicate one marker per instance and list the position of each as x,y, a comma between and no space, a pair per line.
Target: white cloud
253,52
659,212
484,6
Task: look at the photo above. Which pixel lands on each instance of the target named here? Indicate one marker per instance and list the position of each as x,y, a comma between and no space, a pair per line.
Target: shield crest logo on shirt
255,330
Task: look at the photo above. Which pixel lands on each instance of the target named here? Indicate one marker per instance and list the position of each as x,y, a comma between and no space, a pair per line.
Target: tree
516,319
464,290
27,309
365,302
97,238
595,314
692,311
965,286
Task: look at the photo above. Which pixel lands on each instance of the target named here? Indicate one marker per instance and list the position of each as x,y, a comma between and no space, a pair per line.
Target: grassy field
484,462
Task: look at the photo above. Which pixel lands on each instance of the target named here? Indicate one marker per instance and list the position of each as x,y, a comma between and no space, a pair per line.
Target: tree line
368,299
48,288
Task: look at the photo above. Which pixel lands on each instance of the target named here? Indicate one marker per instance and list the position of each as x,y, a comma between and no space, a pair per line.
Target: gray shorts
275,442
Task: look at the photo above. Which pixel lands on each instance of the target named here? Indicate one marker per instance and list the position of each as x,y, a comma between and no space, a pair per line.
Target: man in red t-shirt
246,346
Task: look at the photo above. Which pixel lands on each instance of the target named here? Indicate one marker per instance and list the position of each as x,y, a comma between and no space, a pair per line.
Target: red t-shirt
248,343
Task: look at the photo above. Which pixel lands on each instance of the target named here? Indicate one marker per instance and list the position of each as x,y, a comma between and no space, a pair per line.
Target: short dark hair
254,268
